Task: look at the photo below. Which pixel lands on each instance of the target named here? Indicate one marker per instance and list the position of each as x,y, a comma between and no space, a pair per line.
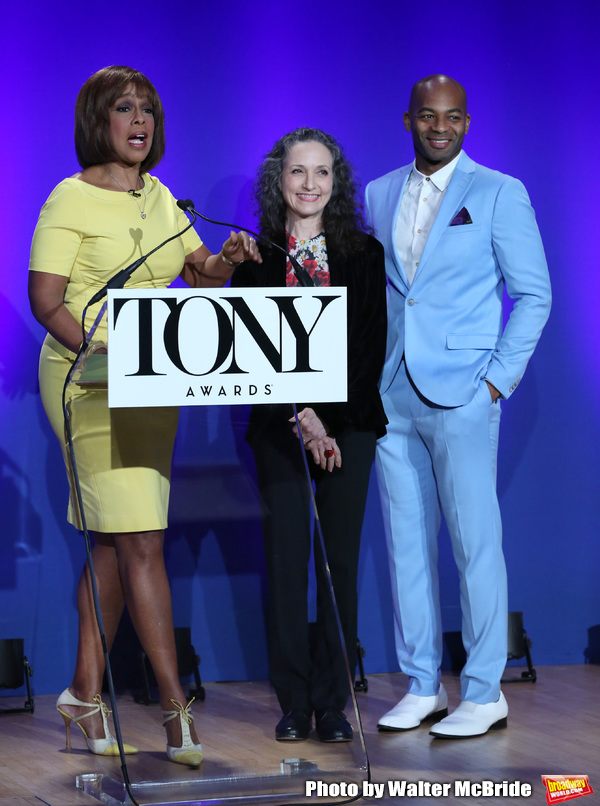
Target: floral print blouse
312,254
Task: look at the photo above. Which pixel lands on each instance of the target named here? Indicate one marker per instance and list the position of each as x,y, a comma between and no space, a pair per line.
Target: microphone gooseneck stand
90,564
118,281
305,280
327,569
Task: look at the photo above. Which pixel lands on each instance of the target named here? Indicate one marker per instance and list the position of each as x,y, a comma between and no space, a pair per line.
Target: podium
257,347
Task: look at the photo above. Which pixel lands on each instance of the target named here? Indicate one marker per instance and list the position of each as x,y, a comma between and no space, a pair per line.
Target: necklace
133,193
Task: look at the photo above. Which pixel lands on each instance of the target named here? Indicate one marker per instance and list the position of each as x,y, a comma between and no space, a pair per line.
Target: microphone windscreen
185,204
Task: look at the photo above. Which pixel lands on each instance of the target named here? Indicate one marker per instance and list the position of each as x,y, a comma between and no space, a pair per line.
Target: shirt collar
441,179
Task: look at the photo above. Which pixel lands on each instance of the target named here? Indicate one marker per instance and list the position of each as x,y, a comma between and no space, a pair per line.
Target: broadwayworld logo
565,787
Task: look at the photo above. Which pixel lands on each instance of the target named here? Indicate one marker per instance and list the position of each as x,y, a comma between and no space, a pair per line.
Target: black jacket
363,274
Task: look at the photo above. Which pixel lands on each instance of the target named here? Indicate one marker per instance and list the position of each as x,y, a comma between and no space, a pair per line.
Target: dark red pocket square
462,217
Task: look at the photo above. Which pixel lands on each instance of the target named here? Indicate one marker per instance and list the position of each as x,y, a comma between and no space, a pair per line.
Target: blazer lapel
390,247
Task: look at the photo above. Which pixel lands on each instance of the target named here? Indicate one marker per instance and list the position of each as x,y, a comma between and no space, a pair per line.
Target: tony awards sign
178,347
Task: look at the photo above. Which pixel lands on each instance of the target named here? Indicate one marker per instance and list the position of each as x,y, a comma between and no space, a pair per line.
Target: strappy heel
189,753
100,747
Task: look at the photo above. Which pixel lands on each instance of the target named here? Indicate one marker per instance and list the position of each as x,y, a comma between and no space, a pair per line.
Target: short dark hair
343,219
92,116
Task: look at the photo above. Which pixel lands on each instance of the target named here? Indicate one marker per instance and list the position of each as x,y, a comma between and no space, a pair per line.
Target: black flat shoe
294,726
332,726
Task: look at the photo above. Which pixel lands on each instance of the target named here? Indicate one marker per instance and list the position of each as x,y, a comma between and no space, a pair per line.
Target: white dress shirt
419,206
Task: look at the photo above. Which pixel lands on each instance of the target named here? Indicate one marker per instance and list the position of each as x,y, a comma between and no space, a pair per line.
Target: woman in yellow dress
92,225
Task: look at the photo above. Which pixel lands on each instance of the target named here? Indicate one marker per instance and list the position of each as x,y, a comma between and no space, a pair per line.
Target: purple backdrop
233,78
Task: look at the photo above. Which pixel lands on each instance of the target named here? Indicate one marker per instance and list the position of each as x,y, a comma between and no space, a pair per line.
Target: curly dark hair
343,217
92,116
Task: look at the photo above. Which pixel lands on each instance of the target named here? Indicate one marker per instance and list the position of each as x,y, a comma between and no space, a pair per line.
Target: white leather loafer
413,709
472,719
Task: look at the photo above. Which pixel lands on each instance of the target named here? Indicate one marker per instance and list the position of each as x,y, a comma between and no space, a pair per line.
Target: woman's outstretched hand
239,247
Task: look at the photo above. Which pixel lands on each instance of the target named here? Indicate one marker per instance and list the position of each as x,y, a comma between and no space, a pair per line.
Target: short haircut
92,116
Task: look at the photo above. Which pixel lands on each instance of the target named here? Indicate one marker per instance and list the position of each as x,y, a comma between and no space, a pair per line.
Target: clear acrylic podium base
288,787
243,763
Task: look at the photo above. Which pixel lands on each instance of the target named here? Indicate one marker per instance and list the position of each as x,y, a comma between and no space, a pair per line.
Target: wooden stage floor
553,728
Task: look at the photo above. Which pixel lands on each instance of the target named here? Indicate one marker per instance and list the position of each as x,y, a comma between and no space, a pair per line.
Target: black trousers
307,667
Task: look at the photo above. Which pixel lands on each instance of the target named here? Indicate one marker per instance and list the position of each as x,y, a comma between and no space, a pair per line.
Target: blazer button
411,302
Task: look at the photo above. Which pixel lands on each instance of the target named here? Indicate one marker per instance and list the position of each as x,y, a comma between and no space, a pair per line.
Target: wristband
230,262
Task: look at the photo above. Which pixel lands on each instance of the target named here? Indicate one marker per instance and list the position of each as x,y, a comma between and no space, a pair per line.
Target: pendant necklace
133,193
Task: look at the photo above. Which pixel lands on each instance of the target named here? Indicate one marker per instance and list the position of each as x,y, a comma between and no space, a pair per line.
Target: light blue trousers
444,458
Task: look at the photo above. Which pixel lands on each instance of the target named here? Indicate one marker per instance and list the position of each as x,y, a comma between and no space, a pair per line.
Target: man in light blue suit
456,235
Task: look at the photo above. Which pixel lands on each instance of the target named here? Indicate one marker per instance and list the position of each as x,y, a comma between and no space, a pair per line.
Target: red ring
329,453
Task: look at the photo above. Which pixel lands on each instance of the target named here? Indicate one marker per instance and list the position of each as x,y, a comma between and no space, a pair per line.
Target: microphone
304,278
187,205
120,278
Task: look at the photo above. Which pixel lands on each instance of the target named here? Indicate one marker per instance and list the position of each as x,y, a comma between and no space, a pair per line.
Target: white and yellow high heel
189,753
101,747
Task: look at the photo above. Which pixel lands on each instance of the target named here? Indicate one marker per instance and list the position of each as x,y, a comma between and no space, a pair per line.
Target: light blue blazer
448,323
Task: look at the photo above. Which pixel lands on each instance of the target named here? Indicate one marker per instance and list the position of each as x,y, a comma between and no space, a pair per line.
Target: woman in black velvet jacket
307,203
